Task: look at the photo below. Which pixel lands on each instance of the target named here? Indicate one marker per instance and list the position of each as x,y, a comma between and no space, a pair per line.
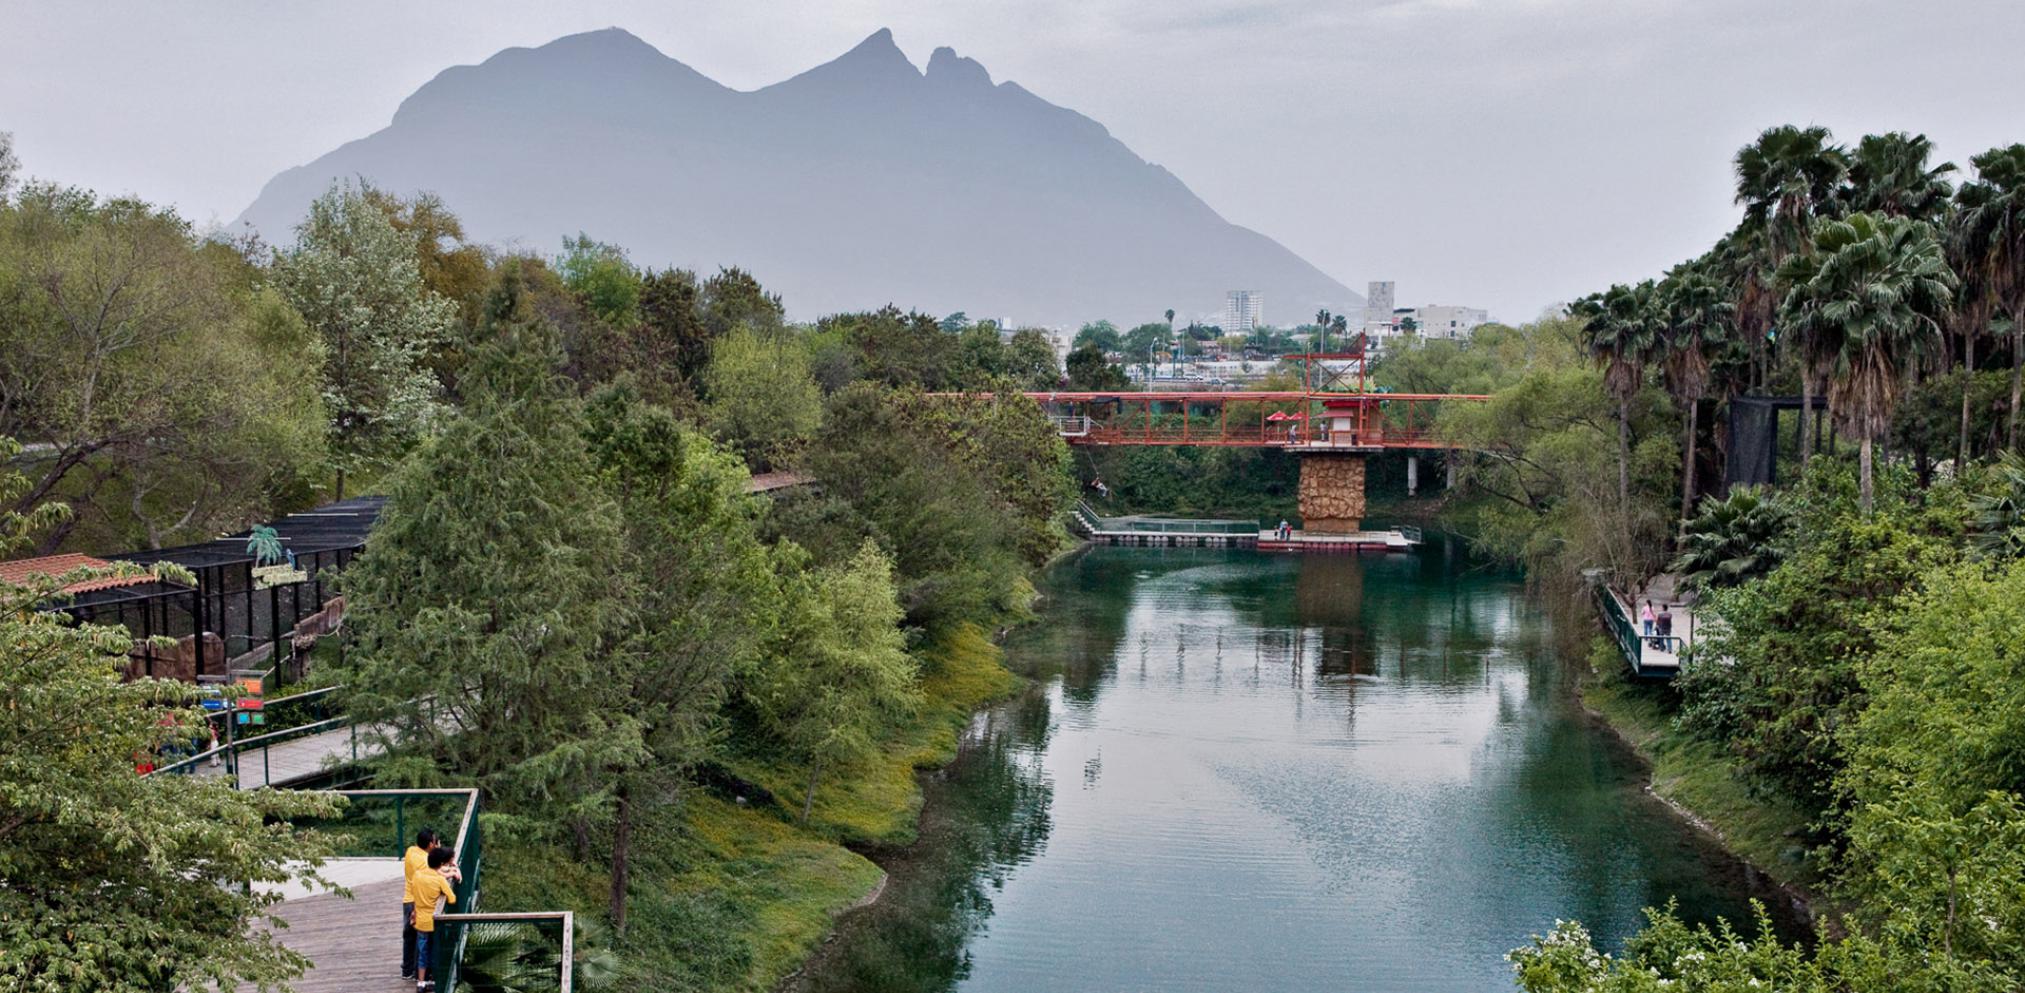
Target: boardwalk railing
1648,655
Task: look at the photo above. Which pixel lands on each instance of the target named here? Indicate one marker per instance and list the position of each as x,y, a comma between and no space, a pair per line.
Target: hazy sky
1497,153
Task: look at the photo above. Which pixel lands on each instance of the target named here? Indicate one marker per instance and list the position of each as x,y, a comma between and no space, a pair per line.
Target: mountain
860,182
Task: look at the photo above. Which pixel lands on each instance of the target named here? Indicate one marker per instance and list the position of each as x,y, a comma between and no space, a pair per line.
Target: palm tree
1733,539
1889,175
1786,179
1622,333
1988,243
1697,312
1871,296
1322,322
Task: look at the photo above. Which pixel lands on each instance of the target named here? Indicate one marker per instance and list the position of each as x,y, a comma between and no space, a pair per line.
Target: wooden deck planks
354,942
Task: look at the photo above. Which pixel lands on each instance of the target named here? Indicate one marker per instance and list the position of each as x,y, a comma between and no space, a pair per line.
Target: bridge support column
1412,475
1332,492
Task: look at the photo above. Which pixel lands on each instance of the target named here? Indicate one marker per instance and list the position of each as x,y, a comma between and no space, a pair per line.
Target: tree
1889,174
163,395
1088,369
602,277
949,531
1030,360
1785,179
733,297
1871,295
1145,342
355,280
485,610
1988,241
115,881
836,668
10,164
672,338
1102,334
1623,334
701,588
1733,540
763,400
1998,506
1697,312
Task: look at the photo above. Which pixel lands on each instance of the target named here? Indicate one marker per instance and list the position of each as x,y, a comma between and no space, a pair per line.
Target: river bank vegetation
691,708
1847,717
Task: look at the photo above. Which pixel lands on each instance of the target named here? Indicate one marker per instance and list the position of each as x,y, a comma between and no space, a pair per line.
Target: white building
1378,303
1444,321
1243,310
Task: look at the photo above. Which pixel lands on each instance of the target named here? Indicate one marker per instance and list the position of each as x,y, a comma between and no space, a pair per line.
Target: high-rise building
1243,310
1377,303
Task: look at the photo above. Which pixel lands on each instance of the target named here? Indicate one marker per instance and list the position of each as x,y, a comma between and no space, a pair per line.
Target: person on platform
1647,616
415,860
432,891
1666,622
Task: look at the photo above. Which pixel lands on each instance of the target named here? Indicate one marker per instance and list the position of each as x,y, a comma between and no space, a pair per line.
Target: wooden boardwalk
297,758
353,943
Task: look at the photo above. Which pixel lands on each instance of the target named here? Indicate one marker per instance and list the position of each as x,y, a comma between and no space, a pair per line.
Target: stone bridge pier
1332,492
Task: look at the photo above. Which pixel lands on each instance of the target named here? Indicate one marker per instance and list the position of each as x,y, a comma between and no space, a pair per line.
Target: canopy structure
242,612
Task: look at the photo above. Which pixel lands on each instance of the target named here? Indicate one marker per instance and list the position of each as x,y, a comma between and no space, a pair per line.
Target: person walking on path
431,890
1666,621
416,860
1646,615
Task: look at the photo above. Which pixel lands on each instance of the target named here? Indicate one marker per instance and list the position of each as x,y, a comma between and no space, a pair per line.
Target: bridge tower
1332,491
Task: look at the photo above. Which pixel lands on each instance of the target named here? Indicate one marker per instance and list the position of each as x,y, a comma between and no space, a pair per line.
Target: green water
1239,771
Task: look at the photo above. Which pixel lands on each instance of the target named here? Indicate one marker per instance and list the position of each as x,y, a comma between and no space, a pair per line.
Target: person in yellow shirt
430,886
416,860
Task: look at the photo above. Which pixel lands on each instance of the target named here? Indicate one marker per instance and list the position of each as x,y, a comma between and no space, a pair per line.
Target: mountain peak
878,48
948,67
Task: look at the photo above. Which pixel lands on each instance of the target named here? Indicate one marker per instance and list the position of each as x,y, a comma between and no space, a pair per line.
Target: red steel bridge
1333,410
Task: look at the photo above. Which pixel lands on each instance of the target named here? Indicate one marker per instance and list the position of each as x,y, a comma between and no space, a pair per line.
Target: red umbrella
1280,415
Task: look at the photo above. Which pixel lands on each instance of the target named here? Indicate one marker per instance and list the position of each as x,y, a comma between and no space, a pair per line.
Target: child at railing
432,890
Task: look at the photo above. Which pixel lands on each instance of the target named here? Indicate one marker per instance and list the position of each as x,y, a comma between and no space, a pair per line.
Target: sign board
270,576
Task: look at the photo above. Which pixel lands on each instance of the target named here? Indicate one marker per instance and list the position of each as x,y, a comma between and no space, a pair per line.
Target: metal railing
381,823
524,952
241,757
1096,522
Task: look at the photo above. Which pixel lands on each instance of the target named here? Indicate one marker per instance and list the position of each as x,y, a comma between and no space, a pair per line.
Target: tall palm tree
1872,295
1889,175
1988,242
1785,180
1697,312
1622,333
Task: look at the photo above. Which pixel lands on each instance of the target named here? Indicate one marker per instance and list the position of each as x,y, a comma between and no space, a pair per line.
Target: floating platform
1396,540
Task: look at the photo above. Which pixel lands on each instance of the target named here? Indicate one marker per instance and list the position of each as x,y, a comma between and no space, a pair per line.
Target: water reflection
1248,772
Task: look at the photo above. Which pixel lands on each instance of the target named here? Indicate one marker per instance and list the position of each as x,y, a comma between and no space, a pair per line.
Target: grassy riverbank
1696,777
734,895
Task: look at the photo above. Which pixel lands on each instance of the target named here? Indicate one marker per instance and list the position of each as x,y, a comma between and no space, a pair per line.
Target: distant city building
1383,320
1442,321
1243,310
1378,303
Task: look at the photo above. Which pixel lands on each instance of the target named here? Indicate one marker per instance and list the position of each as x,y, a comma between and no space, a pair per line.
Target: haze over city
1499,155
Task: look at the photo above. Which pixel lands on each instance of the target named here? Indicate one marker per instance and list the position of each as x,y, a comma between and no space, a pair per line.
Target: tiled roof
20,571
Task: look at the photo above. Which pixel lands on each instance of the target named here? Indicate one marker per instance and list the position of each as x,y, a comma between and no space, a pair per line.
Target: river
1238,771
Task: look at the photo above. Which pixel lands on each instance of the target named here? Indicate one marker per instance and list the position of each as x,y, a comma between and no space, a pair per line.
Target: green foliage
762,399
170,398
1088,369
949,533
733,298
1998,509
355,280
1101,334
1733,540
1780,681
1007,442
115,881
602,277
836,667
484,611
